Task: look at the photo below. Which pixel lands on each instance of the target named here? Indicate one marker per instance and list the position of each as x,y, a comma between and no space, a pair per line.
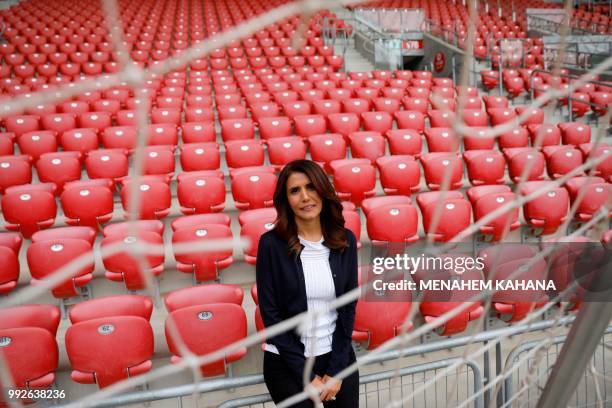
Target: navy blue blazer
281,291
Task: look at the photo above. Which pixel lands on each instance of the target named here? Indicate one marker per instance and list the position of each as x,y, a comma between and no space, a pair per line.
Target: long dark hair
332,221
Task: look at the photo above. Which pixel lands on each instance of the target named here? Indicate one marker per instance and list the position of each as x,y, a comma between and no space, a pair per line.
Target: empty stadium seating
218,130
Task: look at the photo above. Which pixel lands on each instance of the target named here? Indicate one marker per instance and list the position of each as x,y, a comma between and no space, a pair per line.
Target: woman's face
303,198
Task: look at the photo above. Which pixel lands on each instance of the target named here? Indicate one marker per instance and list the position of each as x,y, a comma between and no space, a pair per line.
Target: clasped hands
327,387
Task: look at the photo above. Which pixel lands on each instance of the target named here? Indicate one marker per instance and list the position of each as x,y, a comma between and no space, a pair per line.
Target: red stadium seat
79,140
389,105
27,209
109,349
126,266
191,220
489,78
404,142
36,143
415,104
110,164
367,145
122,228
438,118
501,262
393,224
155,199
308,125
436,303
497,101
49,256
6,144
59,168
283,150
344,123
256,225
326,148
88,204
475,117
198,194
45,317
379,122
204,295
486,199
602,102
548,211
372,203
560,160
535,116
31,356
326,106
244,153
206,328
399,174
237,129
198,132
544,135
110,306
517,137
450,210
271,127
437,165
162,134
575,133
352,221
499,116
377,322
522,158
232,112
10,243
354,179
87,234
295,108
253,189
21,124
14,171
204,265
200,156
95,120
604,168
120,137
355,105
410,120
441,140
475,139
485,166
594,193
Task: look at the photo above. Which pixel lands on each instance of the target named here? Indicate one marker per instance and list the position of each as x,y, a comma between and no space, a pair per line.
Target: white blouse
316,335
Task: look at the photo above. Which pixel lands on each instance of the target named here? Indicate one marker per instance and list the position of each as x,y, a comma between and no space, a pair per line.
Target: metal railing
500,65
407,380
580,53
570,100
220,384
531,385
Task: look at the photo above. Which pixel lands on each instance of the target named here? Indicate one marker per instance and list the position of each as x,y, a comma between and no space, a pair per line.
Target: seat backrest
204,294
43,316
107,347
207,328
31,355
108,306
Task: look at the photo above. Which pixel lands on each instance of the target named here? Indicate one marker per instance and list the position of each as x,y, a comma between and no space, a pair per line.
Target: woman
307,261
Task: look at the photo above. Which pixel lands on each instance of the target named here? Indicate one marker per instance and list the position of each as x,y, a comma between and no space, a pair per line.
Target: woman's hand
332,387
317,384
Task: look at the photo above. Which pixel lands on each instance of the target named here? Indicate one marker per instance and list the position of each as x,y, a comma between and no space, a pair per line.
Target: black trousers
282,384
